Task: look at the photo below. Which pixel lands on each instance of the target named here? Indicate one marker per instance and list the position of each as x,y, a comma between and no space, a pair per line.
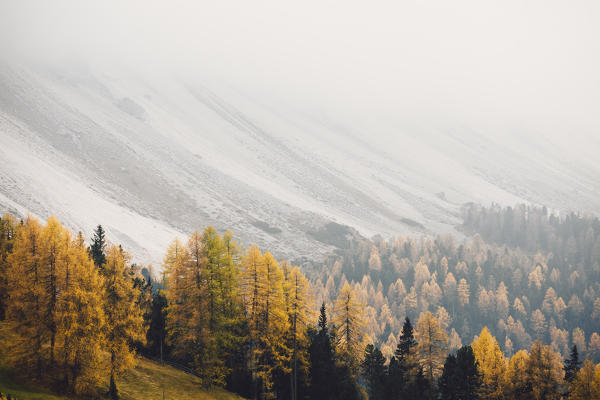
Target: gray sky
529,65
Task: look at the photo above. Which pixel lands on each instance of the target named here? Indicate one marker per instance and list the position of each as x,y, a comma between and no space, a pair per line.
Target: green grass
9,384
145,382
149,378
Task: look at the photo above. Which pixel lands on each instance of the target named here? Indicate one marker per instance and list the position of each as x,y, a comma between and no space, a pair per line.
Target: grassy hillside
145,382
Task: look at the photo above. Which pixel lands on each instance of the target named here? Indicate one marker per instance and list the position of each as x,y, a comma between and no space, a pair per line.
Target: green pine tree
98,247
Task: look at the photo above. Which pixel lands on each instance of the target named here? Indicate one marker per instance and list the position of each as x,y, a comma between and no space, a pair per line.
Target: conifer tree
393,381
124,321
322,365
56,315
274,355
374,372
179,284
572,365
403,373
432,344
300,315
98,247
350,325
586,383
544,372
491,363
220,276
263,294
253,291
157,330
516,384
55,241
24,336
447,382
8,231
583,385
81,321
460,379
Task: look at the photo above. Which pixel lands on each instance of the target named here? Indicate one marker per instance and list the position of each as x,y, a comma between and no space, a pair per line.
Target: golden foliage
432,342
492,364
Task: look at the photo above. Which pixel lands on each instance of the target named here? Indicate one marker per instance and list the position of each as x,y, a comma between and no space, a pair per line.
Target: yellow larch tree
220,276
8,232
300,309
253,288
274,354
23,335
491,364
586,385
54,261
515,379
196,327
178,308
432,342
544,372
56,314
349,323
264,298
81,321
124,321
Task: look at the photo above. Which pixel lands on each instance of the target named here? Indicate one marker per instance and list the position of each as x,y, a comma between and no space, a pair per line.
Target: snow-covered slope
150,160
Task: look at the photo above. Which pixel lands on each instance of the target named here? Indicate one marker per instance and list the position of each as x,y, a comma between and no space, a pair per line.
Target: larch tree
205,310
124,321
54,262
24,336
179,309
432,346
350,327
491,363
586,383
264,298
274,354
301,317
81,322
253,289
219,276
8,232
56,314
230,329
544,372
464,292
579,339
594,345
515,380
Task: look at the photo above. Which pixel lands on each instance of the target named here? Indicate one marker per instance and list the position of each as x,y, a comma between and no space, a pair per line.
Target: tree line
74,316
522,296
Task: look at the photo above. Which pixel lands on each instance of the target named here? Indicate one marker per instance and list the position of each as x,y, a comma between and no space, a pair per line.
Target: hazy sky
533,65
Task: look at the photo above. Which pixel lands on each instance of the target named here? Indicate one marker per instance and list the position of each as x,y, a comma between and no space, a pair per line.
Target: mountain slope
153,158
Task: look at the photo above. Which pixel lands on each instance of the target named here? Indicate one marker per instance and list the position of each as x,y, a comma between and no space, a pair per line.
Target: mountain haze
150,159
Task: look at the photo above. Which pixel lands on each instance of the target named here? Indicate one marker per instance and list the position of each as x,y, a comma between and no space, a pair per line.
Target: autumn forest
508,309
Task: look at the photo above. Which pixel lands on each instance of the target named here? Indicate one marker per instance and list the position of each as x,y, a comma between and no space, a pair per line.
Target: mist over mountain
151,160
274,122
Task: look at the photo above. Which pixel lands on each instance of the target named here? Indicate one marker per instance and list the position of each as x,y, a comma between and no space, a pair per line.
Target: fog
499,67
